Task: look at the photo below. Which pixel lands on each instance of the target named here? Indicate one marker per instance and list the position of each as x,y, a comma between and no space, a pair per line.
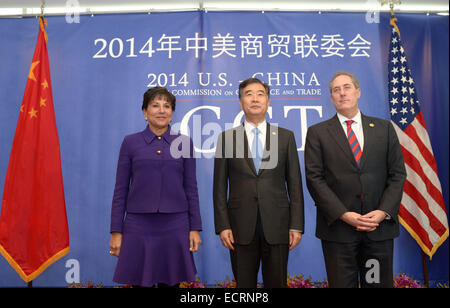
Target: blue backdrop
101,66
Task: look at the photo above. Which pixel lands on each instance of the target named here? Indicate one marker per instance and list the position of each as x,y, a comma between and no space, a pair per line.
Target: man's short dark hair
249,81
153,93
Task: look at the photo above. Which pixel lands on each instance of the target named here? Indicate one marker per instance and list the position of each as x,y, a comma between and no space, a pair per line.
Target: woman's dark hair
153,93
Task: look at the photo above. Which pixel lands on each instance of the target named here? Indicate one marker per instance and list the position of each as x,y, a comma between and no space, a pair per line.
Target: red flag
33,221
422,210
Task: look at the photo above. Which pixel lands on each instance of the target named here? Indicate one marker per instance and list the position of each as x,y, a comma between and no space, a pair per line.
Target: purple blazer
155,174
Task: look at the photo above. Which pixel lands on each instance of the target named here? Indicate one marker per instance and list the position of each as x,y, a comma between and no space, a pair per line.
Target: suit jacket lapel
336,130
247,154
267,149
368,130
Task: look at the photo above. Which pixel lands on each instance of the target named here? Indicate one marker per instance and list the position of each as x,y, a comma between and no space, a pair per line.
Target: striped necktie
353,141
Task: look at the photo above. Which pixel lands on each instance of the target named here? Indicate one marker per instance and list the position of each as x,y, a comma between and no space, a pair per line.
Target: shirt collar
261,127
356,118
149,135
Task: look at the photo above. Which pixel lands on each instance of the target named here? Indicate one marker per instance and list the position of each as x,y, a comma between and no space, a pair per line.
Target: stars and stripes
422,210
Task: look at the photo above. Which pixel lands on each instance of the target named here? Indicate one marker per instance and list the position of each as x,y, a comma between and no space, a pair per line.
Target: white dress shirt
249,127
262,127
358,130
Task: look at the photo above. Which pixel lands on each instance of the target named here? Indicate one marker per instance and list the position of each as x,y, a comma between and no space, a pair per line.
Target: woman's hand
194,240
115,243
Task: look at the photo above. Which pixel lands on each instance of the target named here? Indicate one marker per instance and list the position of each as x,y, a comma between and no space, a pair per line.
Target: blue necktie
256,150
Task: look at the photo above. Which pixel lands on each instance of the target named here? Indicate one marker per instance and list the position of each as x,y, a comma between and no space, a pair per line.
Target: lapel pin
372,125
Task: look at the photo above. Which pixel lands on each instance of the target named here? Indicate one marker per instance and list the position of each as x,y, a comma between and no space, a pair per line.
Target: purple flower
197,284
403,281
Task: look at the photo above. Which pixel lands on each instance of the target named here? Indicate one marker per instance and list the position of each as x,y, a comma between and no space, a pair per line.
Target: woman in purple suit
155,215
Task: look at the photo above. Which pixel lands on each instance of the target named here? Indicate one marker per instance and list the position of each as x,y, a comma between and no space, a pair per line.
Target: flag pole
425,269
42,9
30,283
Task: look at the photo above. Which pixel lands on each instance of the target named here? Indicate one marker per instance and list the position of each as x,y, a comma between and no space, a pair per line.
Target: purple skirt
155,249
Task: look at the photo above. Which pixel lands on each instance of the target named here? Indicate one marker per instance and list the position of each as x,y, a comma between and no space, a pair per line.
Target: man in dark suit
258,196
355,174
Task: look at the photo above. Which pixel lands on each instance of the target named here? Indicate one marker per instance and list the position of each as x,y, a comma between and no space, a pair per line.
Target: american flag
422,210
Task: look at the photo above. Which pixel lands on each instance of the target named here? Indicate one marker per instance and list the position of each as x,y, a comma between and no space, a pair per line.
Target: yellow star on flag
31,75
45,84
33,113
42,103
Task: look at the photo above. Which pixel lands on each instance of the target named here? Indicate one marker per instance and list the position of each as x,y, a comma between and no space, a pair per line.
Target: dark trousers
367,262
245,261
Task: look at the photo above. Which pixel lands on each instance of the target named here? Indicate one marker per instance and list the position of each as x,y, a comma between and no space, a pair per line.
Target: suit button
158,152
256,198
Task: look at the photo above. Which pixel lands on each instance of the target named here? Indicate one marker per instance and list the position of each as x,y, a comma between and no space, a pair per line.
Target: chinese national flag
33,221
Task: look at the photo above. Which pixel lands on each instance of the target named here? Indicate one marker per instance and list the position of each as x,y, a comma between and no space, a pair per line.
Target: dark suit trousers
245,261
370,261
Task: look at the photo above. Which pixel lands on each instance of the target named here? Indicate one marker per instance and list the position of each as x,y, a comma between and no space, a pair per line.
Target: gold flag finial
393,18
42,8
43,21
391,5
